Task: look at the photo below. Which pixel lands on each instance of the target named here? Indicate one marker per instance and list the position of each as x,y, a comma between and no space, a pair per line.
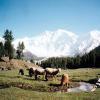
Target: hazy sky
31,17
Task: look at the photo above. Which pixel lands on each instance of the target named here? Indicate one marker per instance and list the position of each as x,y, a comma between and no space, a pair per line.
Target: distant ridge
29,56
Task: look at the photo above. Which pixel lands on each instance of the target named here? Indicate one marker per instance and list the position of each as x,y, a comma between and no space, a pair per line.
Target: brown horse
65,79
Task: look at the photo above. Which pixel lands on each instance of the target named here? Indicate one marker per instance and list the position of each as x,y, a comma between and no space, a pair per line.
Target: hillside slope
15,63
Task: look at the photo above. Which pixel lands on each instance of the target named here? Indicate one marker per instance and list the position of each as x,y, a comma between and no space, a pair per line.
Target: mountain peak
60,43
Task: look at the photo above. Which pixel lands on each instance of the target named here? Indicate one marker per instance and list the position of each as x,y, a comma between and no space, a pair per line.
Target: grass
39,89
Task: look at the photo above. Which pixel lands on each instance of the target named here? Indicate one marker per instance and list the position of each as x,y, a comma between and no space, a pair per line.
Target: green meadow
17,87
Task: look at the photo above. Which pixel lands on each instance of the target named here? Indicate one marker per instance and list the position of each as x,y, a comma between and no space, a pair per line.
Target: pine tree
20,49
1,50
8,36
8,47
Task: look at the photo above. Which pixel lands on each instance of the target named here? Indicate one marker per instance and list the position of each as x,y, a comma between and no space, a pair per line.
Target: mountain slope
48,44
29,56
59,43
90,43
15,63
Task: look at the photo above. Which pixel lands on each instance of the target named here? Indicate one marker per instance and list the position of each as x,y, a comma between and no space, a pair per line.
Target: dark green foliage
55,62
8,47
22,46
19,53
8,36
1,50
32,61
91,59
20,49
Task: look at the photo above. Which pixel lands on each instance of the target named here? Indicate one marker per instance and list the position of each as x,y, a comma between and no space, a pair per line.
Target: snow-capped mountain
48,44
60,43
90,43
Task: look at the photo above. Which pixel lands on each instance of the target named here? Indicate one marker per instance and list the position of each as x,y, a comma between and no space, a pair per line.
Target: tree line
91,59
7,49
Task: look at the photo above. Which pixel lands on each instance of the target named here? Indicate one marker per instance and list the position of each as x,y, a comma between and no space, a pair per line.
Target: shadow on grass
93,81
33,78
4,86
55,85
27,75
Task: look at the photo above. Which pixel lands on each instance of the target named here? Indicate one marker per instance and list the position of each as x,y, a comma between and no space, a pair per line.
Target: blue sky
32,17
